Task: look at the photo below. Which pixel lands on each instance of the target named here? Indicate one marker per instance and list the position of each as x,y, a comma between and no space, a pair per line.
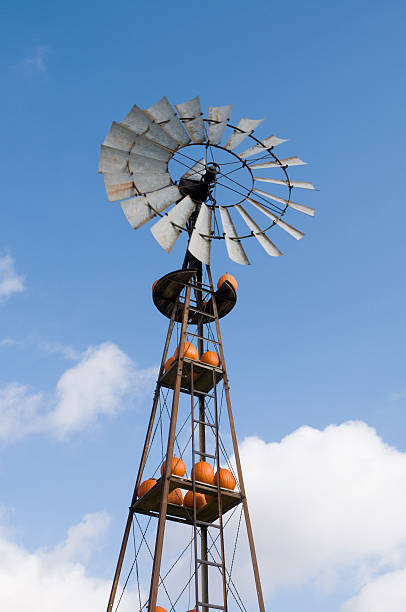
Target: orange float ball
229,278
175,497
178,467
227,480
160,609
190,351
188,500
146,486
211,358
169,362
203,472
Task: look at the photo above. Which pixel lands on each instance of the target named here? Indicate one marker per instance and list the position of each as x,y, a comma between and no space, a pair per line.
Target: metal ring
244,164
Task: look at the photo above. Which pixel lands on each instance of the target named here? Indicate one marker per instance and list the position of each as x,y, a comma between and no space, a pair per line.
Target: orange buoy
190,351
175,497
169,362
229,278
211,358
178,467
227,480
160,609
146,486
188,500
203,472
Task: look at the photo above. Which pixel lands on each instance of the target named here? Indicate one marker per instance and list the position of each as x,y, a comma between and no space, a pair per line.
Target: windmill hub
199,190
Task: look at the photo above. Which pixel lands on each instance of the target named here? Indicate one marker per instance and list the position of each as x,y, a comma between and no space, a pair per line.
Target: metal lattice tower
135,160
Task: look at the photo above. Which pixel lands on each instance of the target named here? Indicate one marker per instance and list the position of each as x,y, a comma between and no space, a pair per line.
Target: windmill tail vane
195,175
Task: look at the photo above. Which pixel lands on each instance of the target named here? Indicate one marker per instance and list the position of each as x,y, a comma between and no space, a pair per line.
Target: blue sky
318,336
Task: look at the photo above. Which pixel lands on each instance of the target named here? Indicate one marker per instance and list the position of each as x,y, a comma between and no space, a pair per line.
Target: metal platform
149,504
204,376
167,291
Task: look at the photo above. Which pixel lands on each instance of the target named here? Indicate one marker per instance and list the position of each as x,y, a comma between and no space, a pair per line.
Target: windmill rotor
214,193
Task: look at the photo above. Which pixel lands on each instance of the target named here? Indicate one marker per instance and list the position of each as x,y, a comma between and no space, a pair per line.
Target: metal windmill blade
168,163
192,116
167,230
219,116
245,128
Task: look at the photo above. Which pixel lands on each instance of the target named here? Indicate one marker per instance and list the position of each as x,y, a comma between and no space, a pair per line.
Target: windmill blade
142,125
117,178
282,163
244,128
165,231
220,115
143,208
262,238
148,148
191,113
285,226
139,164
165,116
196,172
137,120
113,160
234,248
301,207
268,143
120,137
199,245
146,182
120,192
301,184
158,135
119,186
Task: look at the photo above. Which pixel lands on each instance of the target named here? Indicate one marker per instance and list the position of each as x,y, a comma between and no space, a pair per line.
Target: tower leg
237,460
168,467
140,471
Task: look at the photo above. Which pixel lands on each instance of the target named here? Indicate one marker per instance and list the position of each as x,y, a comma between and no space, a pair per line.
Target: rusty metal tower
151,160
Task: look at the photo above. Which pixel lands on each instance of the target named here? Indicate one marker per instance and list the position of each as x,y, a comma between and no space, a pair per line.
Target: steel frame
202,561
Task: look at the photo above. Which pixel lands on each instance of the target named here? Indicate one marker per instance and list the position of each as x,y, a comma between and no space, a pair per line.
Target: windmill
170,167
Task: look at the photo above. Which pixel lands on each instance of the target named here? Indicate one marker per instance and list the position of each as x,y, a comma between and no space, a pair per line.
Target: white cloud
10,281
324,504
20,412
80,542
386,593
49,348
97,385
36,62
56,348
57,579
